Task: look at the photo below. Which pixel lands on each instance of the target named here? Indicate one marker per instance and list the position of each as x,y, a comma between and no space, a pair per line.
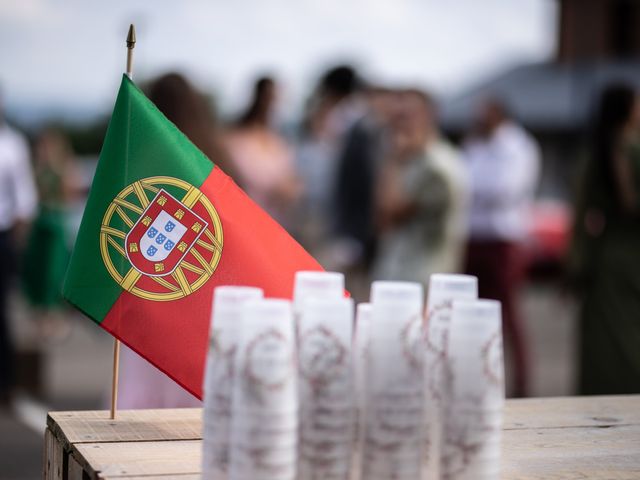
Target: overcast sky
69,54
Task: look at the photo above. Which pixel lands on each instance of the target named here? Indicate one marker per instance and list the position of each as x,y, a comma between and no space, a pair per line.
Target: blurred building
598,41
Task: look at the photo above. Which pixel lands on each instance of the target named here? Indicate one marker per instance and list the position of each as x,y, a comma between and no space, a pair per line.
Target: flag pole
131,43
114,378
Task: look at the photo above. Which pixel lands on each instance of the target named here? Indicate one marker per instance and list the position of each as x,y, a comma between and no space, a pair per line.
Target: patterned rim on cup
412,348
493,359
256,379
322,355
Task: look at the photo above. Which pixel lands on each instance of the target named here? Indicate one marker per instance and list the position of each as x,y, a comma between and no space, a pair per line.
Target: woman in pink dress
261,157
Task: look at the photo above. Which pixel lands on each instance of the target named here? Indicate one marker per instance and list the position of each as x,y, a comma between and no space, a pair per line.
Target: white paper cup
326,449
332,414
265,371
395,346
391,466
460,464
316,284
267,456
447,286
325,331
443,290
329,466
407,448
258,439
226,311
279,422
317,433
476,361
472,414
325,418
240,470
231,299
386,476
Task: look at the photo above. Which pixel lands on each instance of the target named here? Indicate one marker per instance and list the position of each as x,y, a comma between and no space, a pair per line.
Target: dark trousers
500,271
7,263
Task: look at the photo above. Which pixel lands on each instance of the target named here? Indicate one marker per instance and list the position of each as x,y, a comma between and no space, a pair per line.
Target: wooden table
550,438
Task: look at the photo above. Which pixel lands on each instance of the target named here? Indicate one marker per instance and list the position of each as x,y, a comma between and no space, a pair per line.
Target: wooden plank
129,425
572,453
53,465
186,476
185,424
47,454
74,469
594,411
528,454
126,459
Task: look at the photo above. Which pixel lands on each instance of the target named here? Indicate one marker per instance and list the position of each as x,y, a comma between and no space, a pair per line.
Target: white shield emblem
161,237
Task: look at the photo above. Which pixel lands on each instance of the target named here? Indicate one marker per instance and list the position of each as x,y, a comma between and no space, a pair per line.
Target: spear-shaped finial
131,36
131,44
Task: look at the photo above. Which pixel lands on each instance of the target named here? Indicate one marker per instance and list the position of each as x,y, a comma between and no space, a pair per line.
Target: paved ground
551,325
21,450
76,373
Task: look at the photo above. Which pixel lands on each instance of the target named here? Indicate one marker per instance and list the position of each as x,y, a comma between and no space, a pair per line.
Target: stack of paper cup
443,290
394,435
360,363
219,374
325,383
475,398
264,425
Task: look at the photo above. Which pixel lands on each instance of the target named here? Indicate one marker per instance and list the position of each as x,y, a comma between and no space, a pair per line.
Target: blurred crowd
369,184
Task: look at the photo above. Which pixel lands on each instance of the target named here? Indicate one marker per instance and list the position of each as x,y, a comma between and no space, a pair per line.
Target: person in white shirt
18,203
504,166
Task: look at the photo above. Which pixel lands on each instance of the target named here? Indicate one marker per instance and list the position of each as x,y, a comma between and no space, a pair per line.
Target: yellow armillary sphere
161,238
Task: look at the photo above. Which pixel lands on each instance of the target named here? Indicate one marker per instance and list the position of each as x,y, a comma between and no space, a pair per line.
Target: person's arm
428,195
390,200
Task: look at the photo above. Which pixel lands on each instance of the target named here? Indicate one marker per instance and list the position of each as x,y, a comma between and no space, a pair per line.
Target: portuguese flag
163,226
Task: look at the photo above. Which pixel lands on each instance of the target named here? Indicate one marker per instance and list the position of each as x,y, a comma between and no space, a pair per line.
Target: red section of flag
257,252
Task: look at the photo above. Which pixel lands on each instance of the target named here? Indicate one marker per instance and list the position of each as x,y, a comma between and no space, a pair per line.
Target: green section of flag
140,143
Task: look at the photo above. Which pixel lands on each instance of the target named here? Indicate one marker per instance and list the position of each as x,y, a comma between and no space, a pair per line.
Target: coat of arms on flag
172,247
162,236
